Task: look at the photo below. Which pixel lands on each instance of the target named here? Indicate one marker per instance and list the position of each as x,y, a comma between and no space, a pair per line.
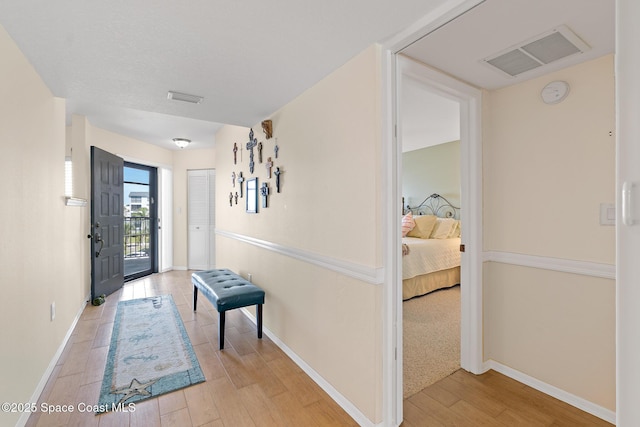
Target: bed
430,246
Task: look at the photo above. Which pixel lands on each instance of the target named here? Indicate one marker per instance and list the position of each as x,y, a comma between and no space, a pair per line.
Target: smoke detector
543,49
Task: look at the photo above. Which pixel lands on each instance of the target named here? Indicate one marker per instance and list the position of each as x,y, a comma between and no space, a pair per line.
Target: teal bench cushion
226,290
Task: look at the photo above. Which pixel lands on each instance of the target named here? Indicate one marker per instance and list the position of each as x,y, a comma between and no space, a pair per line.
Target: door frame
470,100
154,211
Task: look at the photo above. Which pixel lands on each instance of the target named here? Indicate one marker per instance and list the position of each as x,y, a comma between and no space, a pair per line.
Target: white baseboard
344,403
179,268
54,361
571,399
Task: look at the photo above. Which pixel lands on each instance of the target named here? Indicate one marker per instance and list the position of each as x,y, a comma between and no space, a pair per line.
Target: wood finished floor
253,383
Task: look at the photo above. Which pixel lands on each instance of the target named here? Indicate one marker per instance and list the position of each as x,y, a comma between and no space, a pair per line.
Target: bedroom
431,165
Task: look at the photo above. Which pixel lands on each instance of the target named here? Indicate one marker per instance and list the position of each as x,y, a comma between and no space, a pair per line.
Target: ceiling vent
177,96
551,46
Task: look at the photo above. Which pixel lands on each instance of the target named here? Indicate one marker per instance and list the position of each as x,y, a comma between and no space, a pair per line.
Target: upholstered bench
226,290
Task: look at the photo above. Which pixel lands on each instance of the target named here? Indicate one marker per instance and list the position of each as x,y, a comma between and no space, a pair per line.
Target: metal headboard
436,205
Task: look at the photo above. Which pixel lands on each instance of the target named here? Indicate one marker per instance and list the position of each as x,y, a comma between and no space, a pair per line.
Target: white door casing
627,66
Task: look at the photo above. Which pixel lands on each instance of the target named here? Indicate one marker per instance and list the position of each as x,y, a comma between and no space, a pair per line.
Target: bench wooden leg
259,319
221,319
195,297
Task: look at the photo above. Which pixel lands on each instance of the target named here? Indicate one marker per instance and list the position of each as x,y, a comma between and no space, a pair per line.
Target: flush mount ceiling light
177,96
543,49
182,142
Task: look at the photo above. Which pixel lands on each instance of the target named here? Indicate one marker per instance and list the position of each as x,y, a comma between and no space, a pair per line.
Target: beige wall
431,170
179,161
329,141
547,168
128,148
44,250
39,233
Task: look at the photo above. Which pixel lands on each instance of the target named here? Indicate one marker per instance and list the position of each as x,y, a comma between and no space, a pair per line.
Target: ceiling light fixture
182,142
177,96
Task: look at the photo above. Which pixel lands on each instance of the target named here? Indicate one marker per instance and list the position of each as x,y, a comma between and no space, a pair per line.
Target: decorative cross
233,178
240,181
230,199
235,153
275,150
250,144
264,192
235,197
277,174
269,165
259,152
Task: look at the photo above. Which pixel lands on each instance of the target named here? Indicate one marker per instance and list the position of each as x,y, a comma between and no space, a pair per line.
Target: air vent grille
544,49
177,96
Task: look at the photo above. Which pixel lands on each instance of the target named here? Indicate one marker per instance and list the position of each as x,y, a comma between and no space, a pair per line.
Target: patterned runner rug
150,353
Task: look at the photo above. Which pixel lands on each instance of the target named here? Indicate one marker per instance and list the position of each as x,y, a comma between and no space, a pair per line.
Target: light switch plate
607,214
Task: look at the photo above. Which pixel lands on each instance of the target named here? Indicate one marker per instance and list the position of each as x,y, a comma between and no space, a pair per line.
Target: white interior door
628,213
201,219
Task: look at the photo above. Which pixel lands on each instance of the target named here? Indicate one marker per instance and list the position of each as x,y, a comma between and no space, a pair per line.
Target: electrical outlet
53,311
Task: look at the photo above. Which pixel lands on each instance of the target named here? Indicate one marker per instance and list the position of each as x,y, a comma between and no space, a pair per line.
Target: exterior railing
137,232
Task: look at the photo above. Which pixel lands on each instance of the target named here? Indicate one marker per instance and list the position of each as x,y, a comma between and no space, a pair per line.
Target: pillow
407,224
443,228
424,226
455,231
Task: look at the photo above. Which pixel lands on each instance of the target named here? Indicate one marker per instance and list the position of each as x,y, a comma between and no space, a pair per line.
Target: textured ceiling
115,61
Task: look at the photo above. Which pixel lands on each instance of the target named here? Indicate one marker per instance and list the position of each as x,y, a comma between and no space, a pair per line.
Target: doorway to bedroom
431,194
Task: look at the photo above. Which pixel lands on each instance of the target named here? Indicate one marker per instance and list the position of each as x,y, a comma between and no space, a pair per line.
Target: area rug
150,353
431,338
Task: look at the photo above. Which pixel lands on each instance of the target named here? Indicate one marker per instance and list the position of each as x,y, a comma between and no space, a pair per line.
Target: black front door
107,223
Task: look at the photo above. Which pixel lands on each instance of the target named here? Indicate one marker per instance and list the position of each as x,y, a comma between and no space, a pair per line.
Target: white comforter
429,255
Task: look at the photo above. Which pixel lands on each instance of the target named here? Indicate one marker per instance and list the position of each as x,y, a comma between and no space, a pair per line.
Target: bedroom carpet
431,338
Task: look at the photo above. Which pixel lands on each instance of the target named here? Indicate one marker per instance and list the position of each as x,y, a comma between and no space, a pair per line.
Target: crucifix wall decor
233,179
264,192
250,145
277,174
240,180
235,153
269,165
259,152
